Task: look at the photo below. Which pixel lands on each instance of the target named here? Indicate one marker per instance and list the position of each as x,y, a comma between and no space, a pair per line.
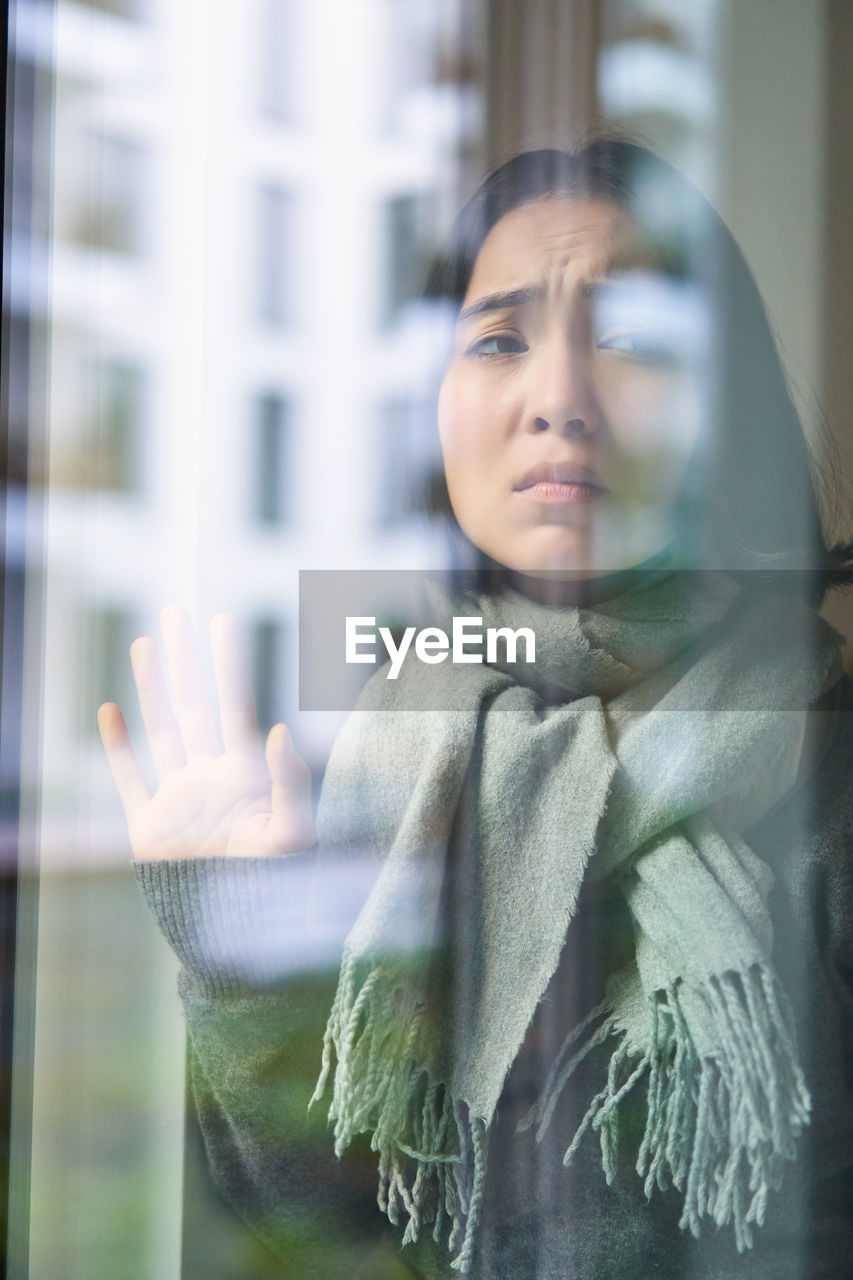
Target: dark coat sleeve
260,962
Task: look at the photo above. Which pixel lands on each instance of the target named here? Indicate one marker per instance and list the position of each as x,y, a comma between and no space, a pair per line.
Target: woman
560,1020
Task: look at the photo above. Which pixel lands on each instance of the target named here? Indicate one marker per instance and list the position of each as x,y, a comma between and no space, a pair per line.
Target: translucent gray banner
428,637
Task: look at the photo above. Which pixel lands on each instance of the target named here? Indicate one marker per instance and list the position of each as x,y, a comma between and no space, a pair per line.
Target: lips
560,473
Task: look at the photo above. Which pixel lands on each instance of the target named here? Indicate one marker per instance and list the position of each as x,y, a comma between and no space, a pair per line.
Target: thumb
292,823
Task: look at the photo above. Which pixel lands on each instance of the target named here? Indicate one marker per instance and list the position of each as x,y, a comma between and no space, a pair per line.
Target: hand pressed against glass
217,795
571,406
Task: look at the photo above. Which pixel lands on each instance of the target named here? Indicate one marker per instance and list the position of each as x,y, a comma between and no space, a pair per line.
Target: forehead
585,237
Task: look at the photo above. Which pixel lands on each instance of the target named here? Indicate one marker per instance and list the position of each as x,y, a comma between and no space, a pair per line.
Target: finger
195,713
292,824
129,778
238,715
164,735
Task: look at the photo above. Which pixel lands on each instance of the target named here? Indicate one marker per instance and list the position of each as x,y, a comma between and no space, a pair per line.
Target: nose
560,396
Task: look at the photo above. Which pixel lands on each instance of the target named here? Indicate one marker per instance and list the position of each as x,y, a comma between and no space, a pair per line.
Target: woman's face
571,406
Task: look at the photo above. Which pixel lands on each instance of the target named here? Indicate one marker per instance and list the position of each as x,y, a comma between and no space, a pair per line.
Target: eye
498,344
649,348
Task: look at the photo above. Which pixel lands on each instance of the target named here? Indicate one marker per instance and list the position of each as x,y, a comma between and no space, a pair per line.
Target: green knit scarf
651,730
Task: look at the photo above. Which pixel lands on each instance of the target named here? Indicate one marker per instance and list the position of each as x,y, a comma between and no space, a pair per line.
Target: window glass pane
104,637
267,657
100,430
271,472
110,208
123,417
274,258
404,220
291,404
277,56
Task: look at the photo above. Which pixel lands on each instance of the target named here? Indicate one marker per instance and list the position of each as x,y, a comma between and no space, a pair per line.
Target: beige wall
540,73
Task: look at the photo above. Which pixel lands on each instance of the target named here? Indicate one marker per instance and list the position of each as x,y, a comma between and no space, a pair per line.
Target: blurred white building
246,196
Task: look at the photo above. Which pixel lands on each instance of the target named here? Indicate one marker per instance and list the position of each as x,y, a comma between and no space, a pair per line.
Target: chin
574,554
551,558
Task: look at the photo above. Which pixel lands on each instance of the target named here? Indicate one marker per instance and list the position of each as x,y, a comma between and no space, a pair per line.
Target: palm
218,806
216,796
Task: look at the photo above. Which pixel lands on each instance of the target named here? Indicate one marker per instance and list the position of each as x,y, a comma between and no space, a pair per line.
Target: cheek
467,425
654,423
473,448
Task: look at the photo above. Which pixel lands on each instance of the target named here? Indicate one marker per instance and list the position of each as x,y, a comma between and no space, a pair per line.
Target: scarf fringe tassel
432,1153
719,1128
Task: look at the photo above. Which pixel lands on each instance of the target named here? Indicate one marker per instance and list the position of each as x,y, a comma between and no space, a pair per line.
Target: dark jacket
257,985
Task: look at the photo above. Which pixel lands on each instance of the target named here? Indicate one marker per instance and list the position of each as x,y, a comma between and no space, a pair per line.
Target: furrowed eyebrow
501,301
606,284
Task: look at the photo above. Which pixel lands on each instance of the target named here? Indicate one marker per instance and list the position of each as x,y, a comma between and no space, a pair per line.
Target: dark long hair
751,496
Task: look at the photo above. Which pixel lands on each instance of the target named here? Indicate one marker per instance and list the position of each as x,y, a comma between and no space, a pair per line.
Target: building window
105,636
274,82
103,447
270,459
267,636
404,234
111,213
274,256
121,412
410,472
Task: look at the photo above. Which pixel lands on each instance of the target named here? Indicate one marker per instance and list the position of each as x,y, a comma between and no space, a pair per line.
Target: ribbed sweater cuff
238,924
